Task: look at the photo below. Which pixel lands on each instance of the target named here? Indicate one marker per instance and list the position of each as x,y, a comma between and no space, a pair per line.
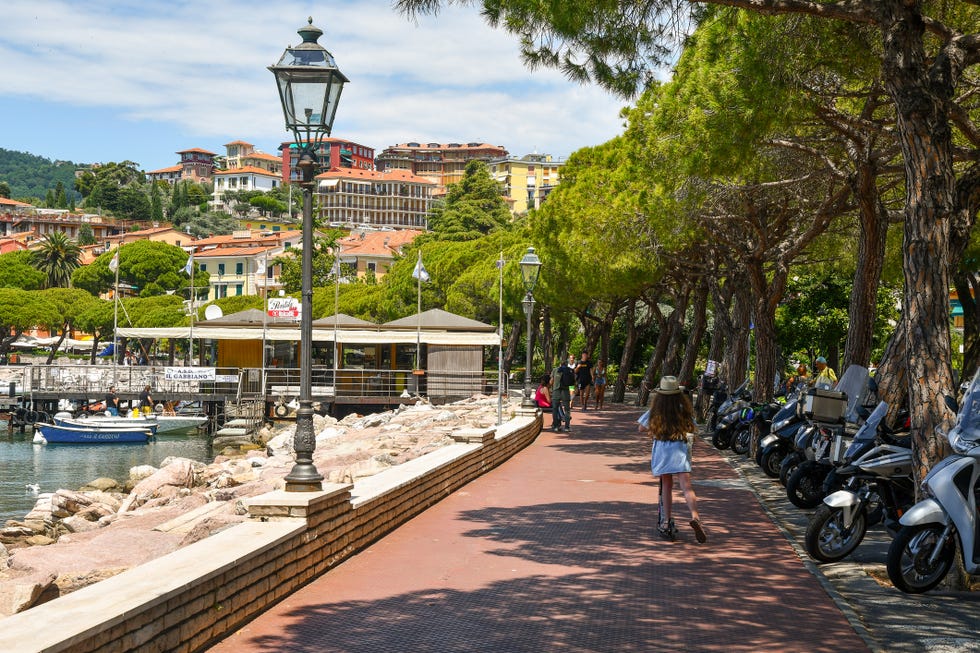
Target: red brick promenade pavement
557,550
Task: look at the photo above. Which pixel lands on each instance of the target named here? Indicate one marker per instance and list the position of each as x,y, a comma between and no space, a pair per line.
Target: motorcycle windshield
870,426
854,382
965,435
788,409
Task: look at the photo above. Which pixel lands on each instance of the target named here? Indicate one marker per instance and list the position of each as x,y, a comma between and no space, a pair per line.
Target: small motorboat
159,423
103,434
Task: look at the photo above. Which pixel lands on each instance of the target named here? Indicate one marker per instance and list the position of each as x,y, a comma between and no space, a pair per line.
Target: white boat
163,423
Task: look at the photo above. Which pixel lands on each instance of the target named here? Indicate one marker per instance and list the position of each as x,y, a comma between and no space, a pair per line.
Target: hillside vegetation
32,176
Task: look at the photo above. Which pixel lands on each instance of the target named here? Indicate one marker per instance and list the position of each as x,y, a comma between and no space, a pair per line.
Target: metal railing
250,383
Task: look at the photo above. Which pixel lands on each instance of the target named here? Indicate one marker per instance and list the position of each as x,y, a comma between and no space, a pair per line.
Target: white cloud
201,68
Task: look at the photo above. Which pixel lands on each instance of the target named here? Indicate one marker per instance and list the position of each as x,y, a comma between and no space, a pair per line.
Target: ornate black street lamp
530,268
309,88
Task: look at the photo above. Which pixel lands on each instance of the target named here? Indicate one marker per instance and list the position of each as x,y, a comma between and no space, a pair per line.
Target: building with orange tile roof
442,163
170,175
250,238
239,154
374,251
197,164
332,153
156,234
352,198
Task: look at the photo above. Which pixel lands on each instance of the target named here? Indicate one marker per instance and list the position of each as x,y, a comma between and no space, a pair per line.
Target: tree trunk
867,275
629,350
515,335
678,318
737,354
695,336
965,284
921,99
547,346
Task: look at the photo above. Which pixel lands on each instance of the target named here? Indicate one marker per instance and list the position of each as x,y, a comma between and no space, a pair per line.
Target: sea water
70,466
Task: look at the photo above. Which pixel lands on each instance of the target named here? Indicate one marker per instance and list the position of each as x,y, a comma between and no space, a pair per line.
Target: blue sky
140,80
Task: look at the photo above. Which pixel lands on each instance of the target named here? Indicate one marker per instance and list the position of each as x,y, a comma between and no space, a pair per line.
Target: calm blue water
70,466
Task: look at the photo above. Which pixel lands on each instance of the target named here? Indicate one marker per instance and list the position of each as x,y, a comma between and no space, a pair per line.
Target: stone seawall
203,592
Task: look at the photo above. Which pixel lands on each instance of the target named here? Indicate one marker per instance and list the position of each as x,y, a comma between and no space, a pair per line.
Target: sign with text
188,373
283,307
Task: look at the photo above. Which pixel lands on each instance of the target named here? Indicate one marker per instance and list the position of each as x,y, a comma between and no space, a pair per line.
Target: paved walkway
557,550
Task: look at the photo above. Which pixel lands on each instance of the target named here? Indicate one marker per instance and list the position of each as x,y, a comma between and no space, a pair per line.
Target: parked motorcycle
779,441
923,551
836,414
878,488
728,416
753,420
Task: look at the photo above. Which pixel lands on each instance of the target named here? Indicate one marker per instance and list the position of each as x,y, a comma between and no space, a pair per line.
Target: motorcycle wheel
828,540
805,486
721,438
788,465
741,440
770,462
908,558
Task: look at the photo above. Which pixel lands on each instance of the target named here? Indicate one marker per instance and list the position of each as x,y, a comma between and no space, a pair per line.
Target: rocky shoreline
73,538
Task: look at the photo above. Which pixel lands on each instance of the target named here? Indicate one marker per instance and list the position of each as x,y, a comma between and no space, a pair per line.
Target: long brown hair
671,416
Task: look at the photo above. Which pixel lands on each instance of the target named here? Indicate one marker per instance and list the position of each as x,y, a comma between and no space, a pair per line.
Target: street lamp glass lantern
310,85
530,267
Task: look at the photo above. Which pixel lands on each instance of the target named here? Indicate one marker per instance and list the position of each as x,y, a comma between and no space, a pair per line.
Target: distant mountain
29,175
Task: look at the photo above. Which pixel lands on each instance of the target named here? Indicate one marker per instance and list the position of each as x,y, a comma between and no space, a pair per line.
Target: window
238,289
372,267
239,269
221,268
203,267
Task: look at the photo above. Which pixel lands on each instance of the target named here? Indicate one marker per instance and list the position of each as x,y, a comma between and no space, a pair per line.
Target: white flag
114,263
259,268
419,271
190,265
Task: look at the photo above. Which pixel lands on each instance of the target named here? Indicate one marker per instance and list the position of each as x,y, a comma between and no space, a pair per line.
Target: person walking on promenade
599,380
561,399
583,380
671,419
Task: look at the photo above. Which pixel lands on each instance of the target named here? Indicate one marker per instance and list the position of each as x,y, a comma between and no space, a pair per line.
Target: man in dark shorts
112,401
583,379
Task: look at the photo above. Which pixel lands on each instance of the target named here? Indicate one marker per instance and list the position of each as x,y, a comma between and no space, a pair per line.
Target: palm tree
57,258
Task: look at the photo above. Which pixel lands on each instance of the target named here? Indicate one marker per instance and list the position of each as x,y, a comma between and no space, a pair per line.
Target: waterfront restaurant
435,354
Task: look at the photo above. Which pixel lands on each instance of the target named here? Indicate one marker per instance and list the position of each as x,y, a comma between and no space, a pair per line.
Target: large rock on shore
101,532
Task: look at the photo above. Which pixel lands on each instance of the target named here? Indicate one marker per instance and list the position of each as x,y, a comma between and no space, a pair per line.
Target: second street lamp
309,88
530,268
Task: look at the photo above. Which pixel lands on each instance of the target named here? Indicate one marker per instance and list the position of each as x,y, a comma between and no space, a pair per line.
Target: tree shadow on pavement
607,585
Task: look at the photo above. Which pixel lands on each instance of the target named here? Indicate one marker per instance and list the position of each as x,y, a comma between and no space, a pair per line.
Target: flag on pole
190,264
259,268
419,272
114,263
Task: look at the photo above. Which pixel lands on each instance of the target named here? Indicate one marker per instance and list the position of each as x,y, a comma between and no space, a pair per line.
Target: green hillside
29,175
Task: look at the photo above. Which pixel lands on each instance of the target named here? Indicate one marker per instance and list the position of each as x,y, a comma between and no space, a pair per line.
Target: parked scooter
923,552
836,415
728,416
779,441
878,488
753,421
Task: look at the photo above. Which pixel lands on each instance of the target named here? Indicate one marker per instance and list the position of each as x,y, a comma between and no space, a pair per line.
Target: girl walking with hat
671,419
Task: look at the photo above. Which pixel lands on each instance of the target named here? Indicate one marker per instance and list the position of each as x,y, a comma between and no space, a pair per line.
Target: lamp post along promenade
530,268
309,88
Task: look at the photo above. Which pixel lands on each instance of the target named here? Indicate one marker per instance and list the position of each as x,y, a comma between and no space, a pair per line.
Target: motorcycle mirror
951,403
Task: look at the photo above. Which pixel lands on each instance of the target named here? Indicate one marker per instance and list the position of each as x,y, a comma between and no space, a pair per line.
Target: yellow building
526,181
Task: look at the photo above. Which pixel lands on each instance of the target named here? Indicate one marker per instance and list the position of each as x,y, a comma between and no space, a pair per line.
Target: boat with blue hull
55,434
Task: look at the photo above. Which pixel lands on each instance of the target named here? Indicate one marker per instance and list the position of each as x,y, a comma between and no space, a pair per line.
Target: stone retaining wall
203,592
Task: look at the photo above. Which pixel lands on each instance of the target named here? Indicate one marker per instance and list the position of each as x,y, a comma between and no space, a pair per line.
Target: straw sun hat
669,386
